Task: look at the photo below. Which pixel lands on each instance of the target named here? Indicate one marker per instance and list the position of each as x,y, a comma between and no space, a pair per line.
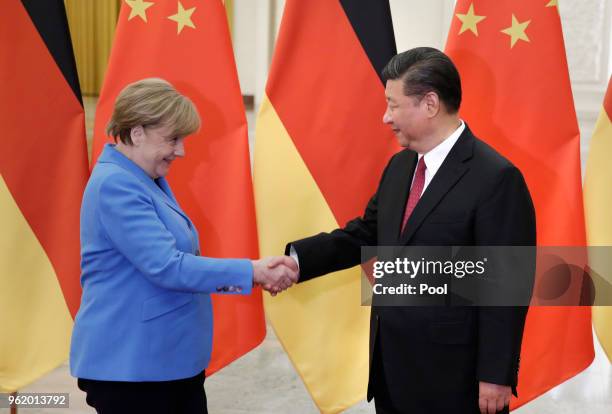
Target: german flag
518,98
43,173
188,43
320,149
597,202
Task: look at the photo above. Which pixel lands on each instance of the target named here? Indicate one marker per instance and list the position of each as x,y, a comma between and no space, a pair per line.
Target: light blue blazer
145,312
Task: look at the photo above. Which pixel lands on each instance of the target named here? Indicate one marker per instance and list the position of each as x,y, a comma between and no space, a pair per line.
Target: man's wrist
293,254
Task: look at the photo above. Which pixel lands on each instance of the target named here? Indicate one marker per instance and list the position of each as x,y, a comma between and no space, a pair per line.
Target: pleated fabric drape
92,28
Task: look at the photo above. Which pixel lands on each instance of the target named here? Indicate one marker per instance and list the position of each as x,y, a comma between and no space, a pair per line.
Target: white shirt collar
436,156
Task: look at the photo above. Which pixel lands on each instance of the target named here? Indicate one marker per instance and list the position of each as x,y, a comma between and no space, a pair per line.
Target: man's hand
275,274
493,397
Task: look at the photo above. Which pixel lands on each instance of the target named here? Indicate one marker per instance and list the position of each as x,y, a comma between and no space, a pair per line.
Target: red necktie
415,190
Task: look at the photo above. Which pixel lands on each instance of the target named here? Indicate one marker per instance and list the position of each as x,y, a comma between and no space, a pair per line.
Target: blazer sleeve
340,249
506,217
131,223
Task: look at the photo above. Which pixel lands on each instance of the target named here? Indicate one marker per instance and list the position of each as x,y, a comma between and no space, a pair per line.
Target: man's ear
431,100
137,135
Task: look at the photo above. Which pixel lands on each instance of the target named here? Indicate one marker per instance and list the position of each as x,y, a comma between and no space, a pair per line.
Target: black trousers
184,396
382,399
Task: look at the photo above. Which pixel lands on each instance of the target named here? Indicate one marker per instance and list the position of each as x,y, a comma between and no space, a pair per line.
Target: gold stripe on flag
598,204
35,321
290,206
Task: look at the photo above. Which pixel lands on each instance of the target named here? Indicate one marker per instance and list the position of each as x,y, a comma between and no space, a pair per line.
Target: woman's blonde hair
152,102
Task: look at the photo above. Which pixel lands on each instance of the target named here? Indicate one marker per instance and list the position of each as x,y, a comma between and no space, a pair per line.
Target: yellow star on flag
183,18
517,31
139,8
553,3
469,21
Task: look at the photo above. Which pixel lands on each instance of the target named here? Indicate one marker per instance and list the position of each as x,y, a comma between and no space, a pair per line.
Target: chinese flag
43,171
517,97
187,43
597,202
320,149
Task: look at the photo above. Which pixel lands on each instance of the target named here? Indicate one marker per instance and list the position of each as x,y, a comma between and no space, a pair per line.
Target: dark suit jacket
434,357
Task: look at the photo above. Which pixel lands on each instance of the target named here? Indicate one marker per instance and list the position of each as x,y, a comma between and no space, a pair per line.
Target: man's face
406,115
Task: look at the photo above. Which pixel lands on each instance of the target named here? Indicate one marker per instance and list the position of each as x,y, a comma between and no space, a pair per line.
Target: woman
143,334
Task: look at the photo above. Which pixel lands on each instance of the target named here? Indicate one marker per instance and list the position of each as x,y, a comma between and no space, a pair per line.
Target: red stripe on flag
44,160
331,101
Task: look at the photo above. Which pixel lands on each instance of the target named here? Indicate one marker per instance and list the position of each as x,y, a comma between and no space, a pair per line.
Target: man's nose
386,117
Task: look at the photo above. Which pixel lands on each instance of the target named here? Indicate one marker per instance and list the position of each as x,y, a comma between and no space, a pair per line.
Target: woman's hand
275,273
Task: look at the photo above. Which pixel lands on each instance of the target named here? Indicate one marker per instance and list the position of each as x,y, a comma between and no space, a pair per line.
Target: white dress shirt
436,156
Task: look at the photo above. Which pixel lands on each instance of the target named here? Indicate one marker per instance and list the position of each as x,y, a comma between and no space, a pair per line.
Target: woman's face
155,148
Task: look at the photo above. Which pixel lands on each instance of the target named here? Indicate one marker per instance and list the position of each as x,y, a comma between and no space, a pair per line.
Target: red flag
188,44
517,97
43,171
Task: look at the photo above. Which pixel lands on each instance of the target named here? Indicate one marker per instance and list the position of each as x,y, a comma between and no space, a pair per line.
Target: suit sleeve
133,227
340,249
505,217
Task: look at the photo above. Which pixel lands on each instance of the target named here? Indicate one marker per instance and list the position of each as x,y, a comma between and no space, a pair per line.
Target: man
446,188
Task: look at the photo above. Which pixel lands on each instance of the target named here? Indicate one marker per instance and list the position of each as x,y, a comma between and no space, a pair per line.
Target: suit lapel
401,182
451,171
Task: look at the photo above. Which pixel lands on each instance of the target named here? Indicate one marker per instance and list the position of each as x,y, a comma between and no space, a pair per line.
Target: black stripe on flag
49,18
371,20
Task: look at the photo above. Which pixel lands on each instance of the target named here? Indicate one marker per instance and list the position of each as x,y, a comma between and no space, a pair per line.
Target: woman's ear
137,135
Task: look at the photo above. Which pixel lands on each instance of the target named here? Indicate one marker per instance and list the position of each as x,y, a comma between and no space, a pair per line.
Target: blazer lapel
110,154
168,197
451,170
402,182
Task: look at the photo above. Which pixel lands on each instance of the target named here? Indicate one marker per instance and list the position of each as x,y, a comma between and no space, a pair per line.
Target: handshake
275,273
